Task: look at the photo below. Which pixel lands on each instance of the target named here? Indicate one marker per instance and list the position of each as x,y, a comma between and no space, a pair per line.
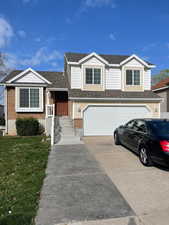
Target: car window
130,124
160,127
140,126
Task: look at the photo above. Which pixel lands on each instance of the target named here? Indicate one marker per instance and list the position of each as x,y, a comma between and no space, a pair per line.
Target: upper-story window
132,77
93,76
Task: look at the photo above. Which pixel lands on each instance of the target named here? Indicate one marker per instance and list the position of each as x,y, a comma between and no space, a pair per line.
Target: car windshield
160,127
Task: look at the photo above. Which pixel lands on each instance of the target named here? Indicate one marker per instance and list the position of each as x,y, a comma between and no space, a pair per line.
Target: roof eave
23,84
117,99
159,89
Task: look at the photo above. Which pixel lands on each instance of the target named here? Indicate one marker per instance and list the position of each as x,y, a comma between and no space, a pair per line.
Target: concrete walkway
77,191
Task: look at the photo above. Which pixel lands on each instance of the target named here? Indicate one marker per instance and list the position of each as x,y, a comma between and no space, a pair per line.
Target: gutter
159,89
57,89
23,85
117,99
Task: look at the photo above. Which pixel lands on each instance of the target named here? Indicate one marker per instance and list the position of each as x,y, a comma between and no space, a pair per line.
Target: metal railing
50,110
50,113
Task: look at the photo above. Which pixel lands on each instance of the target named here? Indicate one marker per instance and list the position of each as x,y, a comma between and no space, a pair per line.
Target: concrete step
66,125
69,140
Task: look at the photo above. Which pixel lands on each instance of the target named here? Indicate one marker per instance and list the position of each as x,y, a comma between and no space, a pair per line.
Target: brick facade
12,114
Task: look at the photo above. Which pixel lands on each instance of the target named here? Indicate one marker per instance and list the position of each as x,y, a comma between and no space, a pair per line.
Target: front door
61,103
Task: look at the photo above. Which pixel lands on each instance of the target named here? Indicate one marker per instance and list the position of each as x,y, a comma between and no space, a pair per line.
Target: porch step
67,133
66,126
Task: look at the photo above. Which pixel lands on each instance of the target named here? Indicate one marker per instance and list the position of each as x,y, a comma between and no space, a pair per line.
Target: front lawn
22,170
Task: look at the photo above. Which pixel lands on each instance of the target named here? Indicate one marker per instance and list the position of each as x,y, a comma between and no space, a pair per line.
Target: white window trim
133,77
26,109
93,67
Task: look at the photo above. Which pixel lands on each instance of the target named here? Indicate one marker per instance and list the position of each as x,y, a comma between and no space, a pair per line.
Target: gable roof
111,59
25,72
162,84
57,79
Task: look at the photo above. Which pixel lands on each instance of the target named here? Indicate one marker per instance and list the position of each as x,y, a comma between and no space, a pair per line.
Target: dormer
135,74
93,72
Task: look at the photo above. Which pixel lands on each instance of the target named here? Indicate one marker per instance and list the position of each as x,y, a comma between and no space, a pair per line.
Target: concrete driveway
77,188
146,189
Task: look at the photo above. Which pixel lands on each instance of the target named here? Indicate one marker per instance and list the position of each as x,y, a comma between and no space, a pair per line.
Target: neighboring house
99,93
162,89
1,111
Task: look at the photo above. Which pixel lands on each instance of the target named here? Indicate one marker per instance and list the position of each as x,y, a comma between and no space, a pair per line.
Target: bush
27,127
17,219
2,121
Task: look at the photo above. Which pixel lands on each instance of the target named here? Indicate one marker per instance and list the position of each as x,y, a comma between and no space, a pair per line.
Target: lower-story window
29,99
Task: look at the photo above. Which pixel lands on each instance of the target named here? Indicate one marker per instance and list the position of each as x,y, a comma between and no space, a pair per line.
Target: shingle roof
57,79
111,94
111,59
161,84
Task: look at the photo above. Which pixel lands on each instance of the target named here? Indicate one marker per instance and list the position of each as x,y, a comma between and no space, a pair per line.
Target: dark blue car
149,138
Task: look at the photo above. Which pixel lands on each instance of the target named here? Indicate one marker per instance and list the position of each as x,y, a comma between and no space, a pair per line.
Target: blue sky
36,33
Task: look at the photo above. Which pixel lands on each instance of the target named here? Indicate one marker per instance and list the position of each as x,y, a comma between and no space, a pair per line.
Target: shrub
2,121
17,219
27,127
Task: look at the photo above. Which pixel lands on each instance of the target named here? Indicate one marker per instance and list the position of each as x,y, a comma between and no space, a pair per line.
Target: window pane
136,77
34,98
24,98
130,124
140,126
88,76
129,77
97,76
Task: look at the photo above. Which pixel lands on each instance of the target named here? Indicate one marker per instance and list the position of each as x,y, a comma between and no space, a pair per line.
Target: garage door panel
103,120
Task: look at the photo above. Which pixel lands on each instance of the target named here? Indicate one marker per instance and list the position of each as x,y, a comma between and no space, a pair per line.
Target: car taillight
165,146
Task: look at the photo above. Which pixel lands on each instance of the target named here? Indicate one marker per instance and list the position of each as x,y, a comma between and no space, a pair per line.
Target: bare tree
3,68
3,72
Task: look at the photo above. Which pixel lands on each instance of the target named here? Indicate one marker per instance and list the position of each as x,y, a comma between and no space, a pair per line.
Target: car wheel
116,139
144,157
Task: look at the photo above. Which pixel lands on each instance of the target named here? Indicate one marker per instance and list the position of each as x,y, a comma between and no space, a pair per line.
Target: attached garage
103,120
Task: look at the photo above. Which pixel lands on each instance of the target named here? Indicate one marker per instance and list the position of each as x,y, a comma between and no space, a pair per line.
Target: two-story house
98,92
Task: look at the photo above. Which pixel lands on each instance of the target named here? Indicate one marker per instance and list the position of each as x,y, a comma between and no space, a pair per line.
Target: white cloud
10,60
90,4
38,39
54,64
68,20
29,1
112,37
26,1
22,33
41,56
99,3
145,57
149,46
6,32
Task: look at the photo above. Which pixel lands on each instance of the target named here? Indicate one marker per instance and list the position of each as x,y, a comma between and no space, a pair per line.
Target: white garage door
103,120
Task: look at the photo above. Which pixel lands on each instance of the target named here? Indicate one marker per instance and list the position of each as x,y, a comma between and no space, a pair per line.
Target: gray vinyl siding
164,105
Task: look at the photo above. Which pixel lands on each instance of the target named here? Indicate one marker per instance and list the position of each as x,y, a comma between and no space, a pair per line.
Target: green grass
22,170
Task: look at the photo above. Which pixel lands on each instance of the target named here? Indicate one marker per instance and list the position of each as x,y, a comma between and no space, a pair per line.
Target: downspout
6,109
